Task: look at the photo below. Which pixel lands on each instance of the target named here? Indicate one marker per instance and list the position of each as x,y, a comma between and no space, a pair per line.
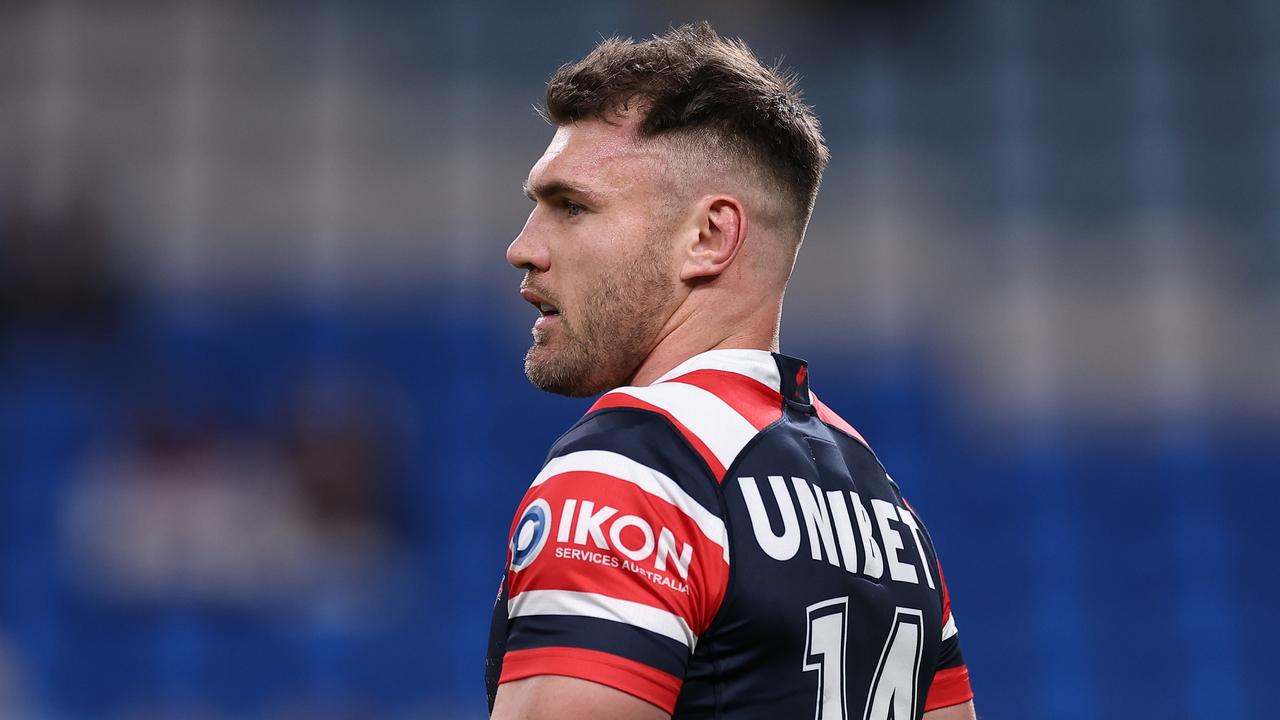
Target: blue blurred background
263,422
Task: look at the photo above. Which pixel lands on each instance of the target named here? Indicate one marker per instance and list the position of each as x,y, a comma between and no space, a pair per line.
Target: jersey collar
788,376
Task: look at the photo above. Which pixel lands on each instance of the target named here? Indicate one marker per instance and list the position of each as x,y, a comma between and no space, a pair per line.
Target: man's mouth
546,310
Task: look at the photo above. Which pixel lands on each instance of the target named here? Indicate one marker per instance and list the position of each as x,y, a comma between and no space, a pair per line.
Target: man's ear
721,223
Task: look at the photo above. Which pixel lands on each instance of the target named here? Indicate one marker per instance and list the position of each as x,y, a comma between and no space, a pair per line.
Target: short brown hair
691,82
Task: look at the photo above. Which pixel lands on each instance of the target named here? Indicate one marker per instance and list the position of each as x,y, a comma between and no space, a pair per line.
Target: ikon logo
631,536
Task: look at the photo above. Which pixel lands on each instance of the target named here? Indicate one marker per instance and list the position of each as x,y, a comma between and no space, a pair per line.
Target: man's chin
553,375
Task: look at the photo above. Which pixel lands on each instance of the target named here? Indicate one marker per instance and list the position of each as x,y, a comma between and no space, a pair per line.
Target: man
709,540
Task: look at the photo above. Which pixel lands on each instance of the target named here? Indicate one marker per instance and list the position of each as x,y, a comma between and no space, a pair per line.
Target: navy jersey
722,545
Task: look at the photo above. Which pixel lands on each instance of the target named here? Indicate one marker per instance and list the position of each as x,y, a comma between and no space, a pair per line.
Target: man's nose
528,251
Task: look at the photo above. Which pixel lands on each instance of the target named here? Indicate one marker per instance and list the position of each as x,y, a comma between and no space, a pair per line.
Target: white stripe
721,428
585,604
644,477
758,364
949,630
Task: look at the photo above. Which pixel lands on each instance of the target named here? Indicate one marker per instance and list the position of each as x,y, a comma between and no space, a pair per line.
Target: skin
650,256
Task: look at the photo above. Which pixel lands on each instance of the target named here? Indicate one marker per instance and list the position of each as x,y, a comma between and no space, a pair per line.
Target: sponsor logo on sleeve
601,535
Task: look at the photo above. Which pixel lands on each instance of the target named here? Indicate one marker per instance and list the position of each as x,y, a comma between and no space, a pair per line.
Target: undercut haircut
705,92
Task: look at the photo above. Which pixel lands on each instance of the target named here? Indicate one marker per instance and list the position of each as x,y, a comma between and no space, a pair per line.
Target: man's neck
759,332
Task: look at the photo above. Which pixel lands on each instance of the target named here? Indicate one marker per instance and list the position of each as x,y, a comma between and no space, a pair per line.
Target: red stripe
708,572
633,678
617,399
949,687
829,417
756,402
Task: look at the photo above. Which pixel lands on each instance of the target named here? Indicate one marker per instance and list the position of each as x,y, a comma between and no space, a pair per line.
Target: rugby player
710,540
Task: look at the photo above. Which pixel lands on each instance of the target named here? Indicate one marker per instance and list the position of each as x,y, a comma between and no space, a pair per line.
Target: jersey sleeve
618,559
951,678
950,684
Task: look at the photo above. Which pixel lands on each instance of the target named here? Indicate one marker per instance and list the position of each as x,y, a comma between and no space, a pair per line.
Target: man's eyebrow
554,188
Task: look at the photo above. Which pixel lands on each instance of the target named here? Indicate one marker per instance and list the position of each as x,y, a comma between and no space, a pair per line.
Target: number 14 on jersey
893,687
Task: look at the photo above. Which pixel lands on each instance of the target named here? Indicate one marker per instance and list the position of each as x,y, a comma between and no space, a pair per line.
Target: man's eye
573,209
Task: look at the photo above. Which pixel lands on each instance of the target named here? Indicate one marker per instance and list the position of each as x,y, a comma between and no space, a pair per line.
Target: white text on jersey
603,528
828,524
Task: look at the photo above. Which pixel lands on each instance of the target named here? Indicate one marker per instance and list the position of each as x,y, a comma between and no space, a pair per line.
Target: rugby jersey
722,545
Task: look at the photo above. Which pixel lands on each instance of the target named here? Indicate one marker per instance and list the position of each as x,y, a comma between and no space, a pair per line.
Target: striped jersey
722,545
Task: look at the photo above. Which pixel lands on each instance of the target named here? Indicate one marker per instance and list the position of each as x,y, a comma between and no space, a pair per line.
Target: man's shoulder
624,453
711,413
633,434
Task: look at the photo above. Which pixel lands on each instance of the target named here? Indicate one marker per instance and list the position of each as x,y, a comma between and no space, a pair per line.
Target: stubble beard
601,346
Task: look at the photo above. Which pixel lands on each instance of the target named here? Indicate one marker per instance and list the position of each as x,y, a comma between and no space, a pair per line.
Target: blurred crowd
175,504
182,509
178,499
